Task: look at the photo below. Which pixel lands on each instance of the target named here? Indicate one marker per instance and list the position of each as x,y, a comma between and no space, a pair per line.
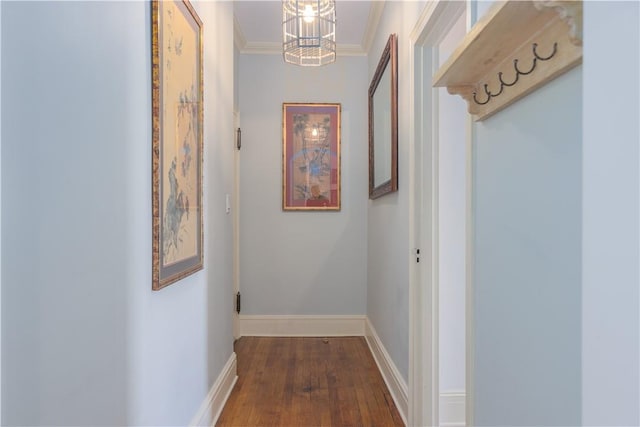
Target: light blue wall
611,241
527,248
85,341
300,263
64,211
388,247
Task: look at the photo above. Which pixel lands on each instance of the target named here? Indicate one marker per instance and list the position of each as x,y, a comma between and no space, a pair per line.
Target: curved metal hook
486,89
535,53
518,74
492,95
533,67
503,83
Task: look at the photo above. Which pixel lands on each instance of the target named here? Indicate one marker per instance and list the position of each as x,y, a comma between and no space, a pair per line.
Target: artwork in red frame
311,156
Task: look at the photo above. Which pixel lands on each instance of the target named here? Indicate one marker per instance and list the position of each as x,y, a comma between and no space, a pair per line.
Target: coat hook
493,95
535,53
503,83
488,96
519,73
523,73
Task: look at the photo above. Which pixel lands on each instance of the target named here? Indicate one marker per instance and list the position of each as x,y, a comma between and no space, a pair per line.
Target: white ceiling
258,25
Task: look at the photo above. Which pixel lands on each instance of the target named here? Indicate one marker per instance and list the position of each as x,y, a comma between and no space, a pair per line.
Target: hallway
546,214
308,381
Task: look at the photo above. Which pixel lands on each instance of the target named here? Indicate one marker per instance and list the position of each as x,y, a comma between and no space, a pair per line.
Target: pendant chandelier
309,32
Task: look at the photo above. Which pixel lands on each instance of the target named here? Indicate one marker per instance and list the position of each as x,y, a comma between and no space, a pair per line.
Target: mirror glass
382,130
383,123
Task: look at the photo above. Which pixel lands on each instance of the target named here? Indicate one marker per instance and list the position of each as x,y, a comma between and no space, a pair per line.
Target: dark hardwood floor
293,382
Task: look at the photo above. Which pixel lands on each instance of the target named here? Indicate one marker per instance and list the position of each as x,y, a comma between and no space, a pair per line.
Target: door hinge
417,255
238,303
238,139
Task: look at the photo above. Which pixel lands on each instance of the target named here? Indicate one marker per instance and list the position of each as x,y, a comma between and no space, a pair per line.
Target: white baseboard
301,326
216,398
452,409
395,383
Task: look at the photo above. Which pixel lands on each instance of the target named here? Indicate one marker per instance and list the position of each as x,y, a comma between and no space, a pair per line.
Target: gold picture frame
177,129
311,157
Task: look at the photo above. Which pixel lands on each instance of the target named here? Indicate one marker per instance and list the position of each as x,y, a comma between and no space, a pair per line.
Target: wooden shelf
513,38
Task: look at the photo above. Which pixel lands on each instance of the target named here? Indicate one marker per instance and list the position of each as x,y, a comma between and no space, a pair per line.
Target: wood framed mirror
383,123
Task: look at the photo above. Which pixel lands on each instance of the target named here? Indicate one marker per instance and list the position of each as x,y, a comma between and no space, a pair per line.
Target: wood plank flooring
300,382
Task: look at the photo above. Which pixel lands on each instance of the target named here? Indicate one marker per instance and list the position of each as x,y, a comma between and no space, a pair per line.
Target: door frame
434,23
236,223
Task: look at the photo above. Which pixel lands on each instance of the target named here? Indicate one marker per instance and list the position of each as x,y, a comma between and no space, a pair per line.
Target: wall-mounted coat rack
517,47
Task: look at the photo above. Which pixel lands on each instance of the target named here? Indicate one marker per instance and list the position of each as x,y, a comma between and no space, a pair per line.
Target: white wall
610,245
85,341
388,248
297,263
527,249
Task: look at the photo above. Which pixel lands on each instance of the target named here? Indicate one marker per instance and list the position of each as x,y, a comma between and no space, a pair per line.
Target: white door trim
433,24
472,18
236,224
0,222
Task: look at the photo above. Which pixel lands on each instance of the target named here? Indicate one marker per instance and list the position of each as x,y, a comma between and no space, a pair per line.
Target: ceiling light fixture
309,32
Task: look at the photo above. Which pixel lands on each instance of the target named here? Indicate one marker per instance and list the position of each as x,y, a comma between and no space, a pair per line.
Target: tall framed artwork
177,105
311,157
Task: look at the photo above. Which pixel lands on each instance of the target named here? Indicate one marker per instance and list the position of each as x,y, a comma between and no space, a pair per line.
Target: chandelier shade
309,32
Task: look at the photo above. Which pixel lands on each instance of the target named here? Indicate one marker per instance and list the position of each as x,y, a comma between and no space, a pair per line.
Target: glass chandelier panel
309,32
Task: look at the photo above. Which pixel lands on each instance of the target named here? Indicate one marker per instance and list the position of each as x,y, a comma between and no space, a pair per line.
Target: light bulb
308,14
314,132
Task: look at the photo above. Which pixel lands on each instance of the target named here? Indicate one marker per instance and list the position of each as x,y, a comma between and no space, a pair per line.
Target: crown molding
275,48
262,48
271,48
375,13
350,50
239,39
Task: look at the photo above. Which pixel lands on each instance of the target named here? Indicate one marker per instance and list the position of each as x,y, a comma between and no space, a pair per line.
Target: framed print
311,157
176,40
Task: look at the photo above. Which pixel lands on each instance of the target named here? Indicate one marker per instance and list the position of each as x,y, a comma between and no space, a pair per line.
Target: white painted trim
395,383
417,375
435,20
350,50
435,239
212,405
375,13
469,291
275,48
423,329
452,409
238,36
262,48
236,225
301,326
0,216
472,17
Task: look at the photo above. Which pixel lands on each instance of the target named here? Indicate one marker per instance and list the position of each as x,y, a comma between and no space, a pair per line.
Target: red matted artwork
311,157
